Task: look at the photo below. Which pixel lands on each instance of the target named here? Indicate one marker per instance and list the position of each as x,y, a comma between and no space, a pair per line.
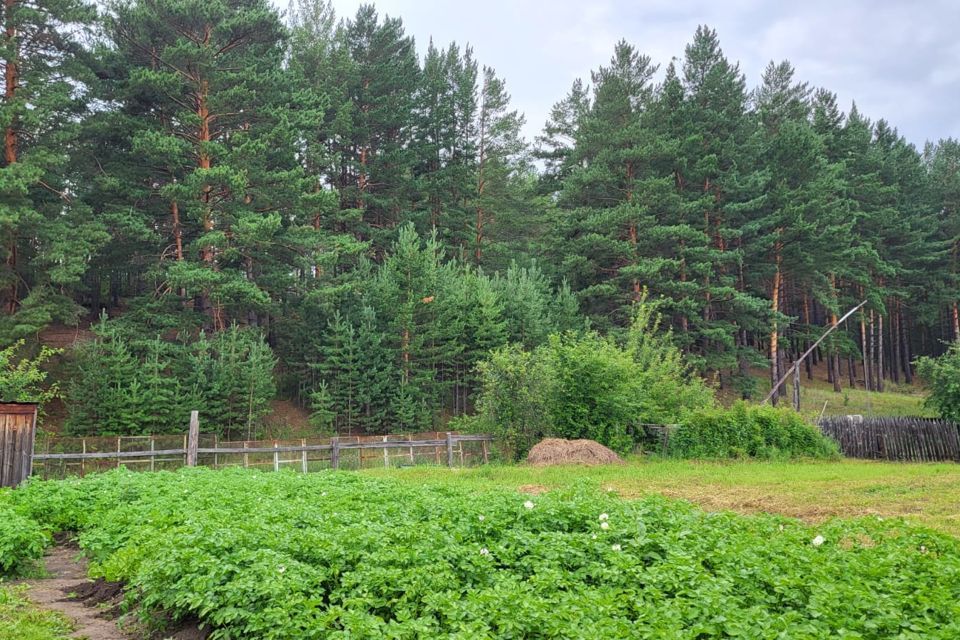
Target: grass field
20,620
818,396
900,401
813,491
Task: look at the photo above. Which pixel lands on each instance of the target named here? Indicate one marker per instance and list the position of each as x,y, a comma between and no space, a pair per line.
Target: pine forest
242,204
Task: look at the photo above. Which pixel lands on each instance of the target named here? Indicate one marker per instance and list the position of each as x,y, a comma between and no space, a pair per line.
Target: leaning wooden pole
806,353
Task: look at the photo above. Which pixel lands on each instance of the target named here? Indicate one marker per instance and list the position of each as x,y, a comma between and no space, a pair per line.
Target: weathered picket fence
61,457
894,438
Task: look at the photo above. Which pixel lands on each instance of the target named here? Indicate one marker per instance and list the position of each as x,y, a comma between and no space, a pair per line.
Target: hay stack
553,451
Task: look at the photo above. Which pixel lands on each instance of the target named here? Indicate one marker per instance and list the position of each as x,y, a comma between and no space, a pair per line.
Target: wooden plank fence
60,457
894,438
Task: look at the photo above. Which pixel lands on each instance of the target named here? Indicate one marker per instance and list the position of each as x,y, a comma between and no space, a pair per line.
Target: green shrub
941,376
22,379
748,431
587,386
513,404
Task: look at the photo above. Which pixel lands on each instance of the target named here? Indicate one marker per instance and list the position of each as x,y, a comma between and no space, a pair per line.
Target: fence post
153,447
276,457
796,387
335,452
483,447
303,456
386,456
449,449
193,439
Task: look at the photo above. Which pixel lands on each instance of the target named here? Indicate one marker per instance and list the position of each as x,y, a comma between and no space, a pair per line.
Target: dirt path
67,575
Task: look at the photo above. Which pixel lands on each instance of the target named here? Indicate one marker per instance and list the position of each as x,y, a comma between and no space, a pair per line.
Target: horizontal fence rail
60,457
894,438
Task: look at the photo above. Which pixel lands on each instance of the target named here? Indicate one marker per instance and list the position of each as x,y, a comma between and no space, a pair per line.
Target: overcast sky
898,60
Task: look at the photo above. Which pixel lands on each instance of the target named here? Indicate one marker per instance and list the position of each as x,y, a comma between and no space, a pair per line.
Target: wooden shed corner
18,426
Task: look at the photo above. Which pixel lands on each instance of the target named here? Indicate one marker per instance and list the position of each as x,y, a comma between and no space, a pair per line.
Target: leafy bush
120,385
22,379
748,431
941,376
338,555
587,386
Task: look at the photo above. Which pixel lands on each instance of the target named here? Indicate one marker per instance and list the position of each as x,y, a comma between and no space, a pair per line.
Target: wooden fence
894,438
18,423
61,457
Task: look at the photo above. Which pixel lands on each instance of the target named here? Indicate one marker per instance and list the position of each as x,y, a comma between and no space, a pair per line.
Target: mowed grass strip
928,494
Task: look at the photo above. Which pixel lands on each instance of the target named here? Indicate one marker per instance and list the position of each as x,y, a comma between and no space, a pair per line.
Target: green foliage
514,400
588,386
20,619
191,164
941,376
322,415
334,555
748,431
123,386
22,539
22,379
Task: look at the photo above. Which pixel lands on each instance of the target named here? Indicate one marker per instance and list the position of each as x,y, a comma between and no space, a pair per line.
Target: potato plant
337,555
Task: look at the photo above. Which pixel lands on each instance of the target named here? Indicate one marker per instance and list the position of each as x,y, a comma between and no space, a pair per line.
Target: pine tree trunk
481,181
177,229
808,363
852,371
835,357
774,335
743,367
905,341
632,231
872,355
863,350
782,368
405,351
834,354
955,315
880,373
895,343
706,277
11,142
204,162
684,323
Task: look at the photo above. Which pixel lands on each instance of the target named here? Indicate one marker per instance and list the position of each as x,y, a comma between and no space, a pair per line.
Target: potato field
337,555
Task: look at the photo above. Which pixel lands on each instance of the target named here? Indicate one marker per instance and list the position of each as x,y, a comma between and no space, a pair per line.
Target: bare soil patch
94,606
67,575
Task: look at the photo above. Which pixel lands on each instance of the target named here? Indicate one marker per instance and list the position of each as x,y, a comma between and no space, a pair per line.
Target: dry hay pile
552,451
